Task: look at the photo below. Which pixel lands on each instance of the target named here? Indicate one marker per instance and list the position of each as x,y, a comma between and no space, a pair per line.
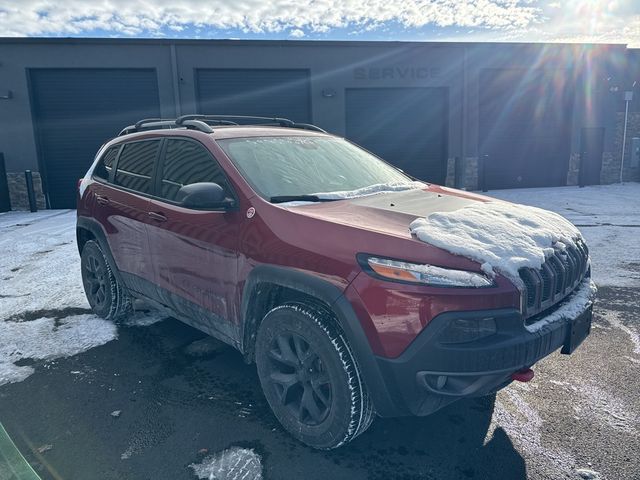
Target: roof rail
283,122
155,123
202,123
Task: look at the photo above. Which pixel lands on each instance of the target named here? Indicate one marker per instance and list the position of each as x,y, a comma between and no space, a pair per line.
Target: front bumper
430,374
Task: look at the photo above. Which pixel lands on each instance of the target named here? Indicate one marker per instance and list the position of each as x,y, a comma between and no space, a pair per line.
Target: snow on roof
502,237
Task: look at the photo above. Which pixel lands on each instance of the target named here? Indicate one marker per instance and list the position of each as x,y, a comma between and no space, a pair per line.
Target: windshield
297,165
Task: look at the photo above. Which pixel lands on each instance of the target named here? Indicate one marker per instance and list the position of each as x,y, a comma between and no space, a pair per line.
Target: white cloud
134,17
489,20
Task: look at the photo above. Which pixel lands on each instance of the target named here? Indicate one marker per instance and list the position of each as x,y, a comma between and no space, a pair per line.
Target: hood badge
251,212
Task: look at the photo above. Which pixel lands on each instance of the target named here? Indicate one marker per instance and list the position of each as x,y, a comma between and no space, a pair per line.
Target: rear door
122,206
194,251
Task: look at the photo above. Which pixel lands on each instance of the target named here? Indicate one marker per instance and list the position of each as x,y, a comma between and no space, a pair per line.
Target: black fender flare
97,231
334,298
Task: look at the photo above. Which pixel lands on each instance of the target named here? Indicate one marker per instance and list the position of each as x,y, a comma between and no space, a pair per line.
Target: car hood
391,212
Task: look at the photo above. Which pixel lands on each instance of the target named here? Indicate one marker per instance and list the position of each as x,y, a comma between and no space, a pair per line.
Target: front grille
558,277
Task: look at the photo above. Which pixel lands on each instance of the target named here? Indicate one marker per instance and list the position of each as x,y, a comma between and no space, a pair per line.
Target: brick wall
18,190
611,160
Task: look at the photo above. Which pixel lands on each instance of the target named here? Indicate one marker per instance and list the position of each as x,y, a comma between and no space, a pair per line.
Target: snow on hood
502,237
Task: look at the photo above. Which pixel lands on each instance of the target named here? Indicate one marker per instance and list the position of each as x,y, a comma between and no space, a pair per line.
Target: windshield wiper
299,198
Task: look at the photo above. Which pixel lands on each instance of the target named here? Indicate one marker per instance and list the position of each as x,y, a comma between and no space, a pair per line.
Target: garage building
465,114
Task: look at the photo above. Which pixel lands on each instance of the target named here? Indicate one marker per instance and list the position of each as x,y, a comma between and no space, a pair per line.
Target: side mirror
204,196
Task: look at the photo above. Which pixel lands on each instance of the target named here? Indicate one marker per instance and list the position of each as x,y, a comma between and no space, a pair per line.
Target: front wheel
107,298
310,377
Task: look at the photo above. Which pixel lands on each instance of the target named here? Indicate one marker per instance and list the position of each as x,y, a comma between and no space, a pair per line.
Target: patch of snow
370,190
234,463
501,236
44,313
47,339
571,307
588,474
608,217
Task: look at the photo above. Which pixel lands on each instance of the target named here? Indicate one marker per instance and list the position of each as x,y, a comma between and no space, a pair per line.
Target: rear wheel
107,298
310,378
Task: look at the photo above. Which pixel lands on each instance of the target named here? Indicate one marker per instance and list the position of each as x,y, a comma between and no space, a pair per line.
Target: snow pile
501,236
370,190
46,339
234,463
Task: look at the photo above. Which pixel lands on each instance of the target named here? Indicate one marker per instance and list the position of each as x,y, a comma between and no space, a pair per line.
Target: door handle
102,200
157,216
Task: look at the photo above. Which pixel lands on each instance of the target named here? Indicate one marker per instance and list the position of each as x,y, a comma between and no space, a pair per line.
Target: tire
107,298
310,377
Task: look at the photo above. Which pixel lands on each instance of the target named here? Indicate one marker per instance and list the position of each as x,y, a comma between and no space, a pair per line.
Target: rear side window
186,162
105,164
135,165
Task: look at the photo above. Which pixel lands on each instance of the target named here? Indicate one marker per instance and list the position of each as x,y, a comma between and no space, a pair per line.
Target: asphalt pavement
164,402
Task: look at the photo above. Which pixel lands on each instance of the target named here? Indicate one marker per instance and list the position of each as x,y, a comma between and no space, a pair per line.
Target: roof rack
203,123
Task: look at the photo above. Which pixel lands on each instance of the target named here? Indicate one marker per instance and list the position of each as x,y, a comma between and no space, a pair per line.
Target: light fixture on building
7,96
328,93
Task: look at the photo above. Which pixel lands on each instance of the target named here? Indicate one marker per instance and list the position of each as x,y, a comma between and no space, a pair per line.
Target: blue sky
601,21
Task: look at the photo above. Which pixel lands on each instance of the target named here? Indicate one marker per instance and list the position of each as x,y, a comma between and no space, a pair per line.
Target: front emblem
251,212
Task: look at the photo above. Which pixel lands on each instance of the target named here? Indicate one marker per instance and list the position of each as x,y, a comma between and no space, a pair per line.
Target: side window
135,165
105,164
187,162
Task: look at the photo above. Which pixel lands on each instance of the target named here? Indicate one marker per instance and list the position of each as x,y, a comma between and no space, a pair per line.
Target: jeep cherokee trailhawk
357,290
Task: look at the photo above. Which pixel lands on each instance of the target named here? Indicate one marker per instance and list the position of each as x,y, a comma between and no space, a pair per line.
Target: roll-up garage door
406,126
263,92
77,110
525,127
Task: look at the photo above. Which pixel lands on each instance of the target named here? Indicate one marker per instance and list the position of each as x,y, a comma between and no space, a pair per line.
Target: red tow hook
524,375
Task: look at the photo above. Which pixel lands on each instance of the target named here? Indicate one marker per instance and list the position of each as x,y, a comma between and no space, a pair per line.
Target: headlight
425,274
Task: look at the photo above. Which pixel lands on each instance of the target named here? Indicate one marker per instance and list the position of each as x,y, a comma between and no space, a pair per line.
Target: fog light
463,330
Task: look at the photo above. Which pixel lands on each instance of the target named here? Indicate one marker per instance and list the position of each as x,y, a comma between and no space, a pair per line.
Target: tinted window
103,168
135,165
185,163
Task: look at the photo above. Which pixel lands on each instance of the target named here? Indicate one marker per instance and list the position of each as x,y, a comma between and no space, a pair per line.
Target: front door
194,251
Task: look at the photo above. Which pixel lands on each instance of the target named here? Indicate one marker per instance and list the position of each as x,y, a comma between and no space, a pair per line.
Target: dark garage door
262,92
525,127
406,126
76,110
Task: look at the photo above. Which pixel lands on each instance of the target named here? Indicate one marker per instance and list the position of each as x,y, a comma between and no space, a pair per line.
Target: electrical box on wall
635,152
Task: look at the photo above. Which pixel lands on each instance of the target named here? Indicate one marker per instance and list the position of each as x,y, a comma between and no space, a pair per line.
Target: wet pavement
163,402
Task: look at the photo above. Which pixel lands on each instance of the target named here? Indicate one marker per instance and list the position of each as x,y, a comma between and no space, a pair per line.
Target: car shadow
456,442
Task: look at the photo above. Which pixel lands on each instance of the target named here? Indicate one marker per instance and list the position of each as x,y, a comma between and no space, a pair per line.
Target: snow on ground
43,310
234,463
608,216
46,339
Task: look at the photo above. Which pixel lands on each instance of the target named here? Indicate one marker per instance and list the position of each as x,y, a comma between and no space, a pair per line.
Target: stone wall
469,177
574,169
610,172
450,180
18,190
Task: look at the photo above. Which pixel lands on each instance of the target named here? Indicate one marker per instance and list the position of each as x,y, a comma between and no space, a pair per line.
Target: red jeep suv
298,248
